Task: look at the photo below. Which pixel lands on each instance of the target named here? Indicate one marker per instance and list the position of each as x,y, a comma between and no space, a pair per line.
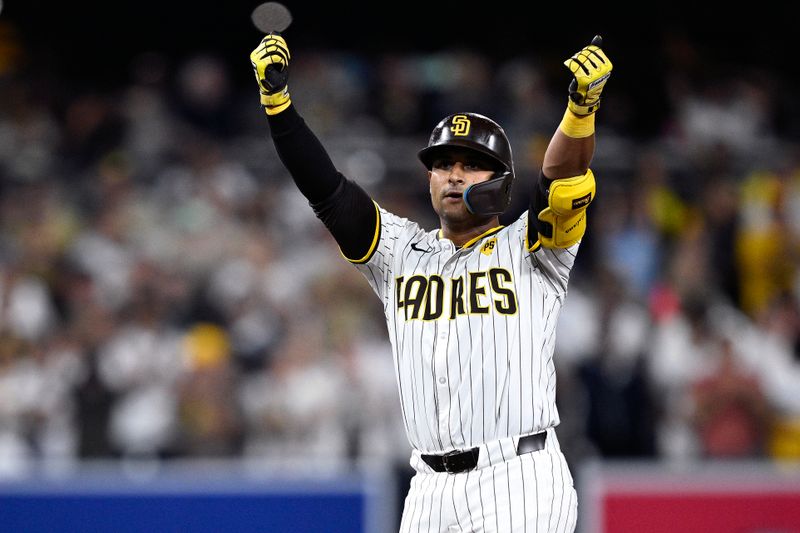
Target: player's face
449,177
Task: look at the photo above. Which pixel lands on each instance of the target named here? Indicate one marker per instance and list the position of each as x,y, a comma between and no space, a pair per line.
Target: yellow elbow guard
563,222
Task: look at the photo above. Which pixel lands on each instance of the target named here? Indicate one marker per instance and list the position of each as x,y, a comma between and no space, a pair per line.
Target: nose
457,172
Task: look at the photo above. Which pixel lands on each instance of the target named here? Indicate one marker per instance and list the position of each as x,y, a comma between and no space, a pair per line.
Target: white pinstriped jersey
472,330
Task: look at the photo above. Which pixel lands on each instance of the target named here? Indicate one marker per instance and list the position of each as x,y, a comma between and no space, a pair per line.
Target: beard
455,215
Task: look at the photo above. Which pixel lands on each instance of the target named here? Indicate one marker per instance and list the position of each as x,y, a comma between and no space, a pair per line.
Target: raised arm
567,186
567,156
345,208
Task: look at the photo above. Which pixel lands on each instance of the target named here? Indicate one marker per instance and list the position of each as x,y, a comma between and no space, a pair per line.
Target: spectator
731,414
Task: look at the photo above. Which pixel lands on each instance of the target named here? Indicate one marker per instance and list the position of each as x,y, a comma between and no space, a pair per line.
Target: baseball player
471,307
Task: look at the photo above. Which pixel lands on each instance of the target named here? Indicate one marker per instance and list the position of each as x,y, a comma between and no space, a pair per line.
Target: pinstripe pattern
479,376
515,496
472,332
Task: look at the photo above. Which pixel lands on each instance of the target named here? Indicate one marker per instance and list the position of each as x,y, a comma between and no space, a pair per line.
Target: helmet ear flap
490,197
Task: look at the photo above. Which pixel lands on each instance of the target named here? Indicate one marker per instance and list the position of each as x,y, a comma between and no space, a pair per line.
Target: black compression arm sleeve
351,217
539,201
346,210
303,155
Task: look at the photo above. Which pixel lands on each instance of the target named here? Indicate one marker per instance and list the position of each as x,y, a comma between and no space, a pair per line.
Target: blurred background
166,295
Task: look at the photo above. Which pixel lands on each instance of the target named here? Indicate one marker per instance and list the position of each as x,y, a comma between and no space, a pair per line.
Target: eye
476,166
443,164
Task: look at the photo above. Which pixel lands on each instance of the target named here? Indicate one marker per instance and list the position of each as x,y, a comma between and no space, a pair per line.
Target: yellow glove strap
583,110
576,126
277,109
275,103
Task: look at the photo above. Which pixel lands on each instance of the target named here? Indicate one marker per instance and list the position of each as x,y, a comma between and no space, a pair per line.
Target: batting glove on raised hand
591,69
270,62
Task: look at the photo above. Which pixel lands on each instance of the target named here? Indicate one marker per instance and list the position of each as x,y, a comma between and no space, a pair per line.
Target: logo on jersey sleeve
460,125
417,248
432,297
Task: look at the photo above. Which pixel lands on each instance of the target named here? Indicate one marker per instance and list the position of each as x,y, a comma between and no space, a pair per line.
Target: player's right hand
270,62
591,69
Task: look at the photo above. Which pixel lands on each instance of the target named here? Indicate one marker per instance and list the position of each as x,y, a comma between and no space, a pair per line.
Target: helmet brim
430,154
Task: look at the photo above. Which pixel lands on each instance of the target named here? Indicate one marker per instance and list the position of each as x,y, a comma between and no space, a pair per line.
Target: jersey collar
474,240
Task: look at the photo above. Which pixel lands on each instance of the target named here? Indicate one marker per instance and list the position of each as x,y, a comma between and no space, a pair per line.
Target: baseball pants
505,493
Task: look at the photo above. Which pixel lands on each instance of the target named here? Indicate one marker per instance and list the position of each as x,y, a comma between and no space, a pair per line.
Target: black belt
465,460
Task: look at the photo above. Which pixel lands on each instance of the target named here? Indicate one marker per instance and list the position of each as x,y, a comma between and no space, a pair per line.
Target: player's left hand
591,69
270,62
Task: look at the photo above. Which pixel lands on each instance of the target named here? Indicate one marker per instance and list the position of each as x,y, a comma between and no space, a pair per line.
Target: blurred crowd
165,292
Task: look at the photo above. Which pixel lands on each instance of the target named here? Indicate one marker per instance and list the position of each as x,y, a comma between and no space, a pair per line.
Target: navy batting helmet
479,134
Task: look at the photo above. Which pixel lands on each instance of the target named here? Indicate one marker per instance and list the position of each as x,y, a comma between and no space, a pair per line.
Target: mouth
453,195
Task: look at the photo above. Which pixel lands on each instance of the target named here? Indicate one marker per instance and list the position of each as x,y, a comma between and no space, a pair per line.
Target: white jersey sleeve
555,263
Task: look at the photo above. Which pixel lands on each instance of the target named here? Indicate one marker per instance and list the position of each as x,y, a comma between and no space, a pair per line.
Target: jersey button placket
443,332
440,355
440,359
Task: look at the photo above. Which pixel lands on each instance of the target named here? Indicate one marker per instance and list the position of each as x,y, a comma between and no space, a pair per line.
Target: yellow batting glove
591,69
270,62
